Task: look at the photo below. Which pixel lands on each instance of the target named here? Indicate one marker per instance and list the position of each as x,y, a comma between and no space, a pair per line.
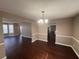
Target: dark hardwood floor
18,49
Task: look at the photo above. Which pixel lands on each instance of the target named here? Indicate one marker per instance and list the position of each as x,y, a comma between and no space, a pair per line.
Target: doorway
51,35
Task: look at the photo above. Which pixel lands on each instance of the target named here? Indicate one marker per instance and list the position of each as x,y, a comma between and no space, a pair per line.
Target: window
5,28
8,28
11,28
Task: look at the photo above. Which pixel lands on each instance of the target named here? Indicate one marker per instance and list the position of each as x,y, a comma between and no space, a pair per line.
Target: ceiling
31,9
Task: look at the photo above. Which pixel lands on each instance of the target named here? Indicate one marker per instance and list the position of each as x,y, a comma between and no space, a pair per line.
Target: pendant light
43,19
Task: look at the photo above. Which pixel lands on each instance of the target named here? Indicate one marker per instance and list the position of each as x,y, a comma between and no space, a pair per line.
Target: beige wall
63,30
63,26
2,49
34,28
26,29
1,31
39,32
76,34
67,32
34,31
42,31
76,27
16,29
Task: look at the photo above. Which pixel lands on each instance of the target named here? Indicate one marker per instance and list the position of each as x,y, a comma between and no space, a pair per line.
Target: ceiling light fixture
43,19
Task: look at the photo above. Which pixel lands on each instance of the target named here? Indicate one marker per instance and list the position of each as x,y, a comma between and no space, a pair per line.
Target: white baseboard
75,51
69,46
76,40
63,44
33,41
26,36
4,57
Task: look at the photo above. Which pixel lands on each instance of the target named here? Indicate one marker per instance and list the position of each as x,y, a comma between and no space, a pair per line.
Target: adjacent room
39,29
